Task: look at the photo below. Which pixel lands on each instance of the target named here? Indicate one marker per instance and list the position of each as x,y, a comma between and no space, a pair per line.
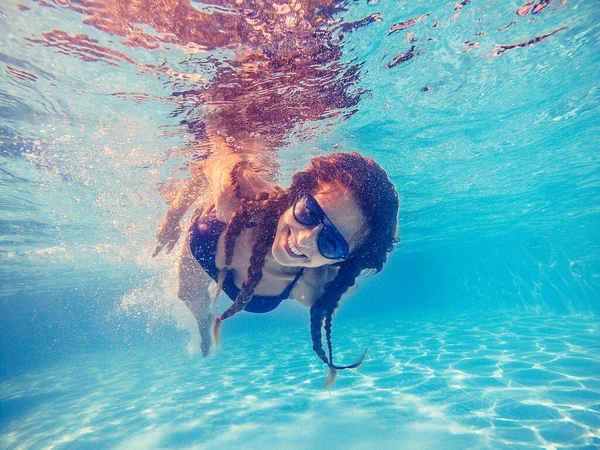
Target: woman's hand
168,235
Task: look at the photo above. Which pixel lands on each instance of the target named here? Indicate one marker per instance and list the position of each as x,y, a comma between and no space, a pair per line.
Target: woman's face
296,244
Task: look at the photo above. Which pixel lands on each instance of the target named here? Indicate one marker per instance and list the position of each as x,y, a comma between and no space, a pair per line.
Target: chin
277,249
276,255
279,253
280,256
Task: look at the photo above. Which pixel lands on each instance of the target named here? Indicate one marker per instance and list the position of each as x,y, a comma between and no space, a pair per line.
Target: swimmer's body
308,242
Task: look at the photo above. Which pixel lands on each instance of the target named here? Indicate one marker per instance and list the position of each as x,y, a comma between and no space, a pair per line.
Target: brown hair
378,201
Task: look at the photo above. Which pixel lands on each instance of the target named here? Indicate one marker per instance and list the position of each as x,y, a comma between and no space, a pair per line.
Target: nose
307,237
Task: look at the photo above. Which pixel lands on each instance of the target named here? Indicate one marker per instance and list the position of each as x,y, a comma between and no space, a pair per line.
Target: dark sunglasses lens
308,212
331,245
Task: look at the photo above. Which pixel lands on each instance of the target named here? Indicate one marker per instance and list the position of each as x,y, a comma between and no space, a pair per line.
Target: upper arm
218,173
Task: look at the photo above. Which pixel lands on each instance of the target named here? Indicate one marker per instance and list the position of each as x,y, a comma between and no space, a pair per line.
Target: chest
275,277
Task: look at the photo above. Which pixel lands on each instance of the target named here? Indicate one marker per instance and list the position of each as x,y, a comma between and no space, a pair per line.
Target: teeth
293,247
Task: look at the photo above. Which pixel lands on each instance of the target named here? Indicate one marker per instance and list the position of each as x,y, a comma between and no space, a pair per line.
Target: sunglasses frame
328,227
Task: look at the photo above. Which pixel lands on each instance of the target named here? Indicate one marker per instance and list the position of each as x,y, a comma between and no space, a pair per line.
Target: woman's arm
215,173
169,229
218,173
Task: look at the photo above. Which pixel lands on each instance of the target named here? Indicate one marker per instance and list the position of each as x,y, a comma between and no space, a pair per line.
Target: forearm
198,183
212,177
185,198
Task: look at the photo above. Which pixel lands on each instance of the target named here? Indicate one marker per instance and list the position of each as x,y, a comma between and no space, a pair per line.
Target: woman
263,244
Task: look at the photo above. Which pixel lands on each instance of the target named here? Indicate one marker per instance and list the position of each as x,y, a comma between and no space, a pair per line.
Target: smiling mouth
291,248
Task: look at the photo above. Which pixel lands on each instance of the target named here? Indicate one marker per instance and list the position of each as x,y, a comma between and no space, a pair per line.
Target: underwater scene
482,329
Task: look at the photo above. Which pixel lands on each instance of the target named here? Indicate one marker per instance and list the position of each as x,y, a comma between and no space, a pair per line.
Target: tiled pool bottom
455,381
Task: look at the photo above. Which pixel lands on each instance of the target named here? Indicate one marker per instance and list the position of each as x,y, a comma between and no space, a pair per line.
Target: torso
275,276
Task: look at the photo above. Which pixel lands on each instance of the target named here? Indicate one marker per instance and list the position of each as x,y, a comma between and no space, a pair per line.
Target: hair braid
239,219
257,262
321,315
233,228
264,211
235,182
317,315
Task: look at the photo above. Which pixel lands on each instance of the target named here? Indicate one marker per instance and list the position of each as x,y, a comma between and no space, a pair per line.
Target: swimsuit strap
288,290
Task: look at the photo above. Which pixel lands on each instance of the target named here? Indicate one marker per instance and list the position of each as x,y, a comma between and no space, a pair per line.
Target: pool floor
454,381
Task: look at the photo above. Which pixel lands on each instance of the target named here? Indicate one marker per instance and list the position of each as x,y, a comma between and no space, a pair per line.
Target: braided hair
378,200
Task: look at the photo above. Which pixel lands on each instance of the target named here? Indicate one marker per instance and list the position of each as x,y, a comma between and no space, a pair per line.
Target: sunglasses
330,242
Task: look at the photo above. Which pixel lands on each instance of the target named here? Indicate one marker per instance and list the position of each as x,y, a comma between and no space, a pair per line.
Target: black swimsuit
204,237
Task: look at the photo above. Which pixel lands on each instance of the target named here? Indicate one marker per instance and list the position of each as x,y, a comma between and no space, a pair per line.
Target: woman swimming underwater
254,73
263,244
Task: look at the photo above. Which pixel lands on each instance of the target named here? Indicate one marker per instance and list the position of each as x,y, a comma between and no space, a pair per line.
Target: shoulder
216,167
219,170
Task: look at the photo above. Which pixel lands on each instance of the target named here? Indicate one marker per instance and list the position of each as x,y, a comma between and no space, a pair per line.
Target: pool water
482,329
457,380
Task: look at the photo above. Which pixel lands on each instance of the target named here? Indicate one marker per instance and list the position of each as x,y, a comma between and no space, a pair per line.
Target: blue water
483,327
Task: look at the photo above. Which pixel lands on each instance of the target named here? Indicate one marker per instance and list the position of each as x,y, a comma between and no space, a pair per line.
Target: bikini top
204,237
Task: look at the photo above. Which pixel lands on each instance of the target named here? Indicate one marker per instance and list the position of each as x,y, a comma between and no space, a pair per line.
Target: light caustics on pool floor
494,381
